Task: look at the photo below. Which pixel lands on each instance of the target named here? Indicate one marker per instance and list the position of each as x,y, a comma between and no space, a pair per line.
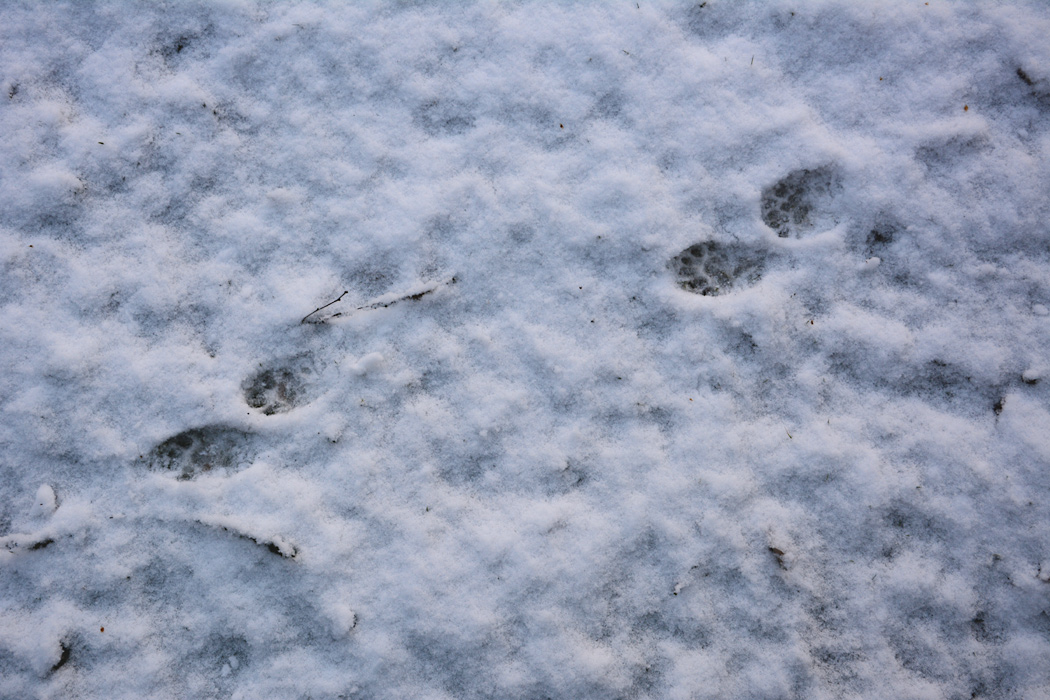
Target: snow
44,503
678,350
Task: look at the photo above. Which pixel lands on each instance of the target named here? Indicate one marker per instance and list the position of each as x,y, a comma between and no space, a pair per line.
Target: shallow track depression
525,350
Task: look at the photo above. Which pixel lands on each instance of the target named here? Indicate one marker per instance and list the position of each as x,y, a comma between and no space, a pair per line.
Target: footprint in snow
795,205
196,451
711,268
282,386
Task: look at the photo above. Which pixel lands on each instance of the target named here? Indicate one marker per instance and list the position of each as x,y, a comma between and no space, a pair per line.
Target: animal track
201,450
711,268
790,206
281,387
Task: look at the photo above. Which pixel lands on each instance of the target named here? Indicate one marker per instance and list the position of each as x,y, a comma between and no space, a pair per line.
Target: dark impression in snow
282,386
792,205
211,448
712,268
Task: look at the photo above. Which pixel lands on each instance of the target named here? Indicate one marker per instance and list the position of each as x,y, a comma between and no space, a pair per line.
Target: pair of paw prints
797,204
226,449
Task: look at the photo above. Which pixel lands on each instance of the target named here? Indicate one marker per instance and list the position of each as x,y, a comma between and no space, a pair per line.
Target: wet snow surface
687,350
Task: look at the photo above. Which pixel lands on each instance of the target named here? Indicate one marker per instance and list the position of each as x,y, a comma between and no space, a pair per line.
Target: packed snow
525,350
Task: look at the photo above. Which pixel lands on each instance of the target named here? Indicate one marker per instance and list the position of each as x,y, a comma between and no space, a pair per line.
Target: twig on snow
324,307
381,302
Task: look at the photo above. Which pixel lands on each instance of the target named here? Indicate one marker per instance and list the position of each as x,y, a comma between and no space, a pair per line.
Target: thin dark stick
324,307
375,304
385,304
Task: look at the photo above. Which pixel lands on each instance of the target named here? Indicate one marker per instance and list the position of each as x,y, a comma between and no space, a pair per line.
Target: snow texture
681,350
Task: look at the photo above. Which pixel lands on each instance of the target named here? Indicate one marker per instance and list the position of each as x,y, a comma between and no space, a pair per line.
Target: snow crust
687,350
